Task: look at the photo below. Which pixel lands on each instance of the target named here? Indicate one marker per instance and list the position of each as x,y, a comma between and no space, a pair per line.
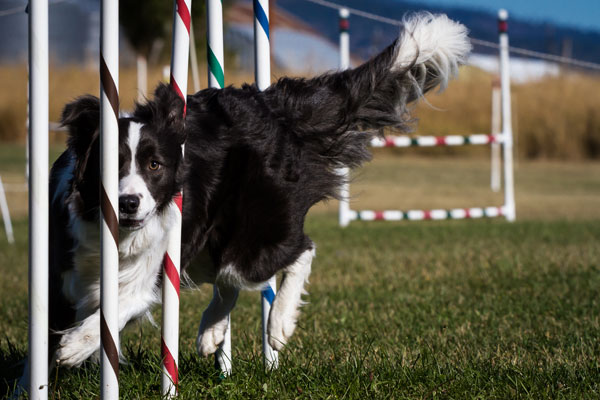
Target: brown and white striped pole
172,259
109,172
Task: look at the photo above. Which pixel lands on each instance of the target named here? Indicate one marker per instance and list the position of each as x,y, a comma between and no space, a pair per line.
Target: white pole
27,136
6,215
142,77
38,199
496,130
262,73
109,172
344,209
509,193
172,260
216,79
194,60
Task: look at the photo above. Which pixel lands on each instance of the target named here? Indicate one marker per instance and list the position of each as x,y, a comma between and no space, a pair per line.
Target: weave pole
38,199
498,137
507,133
496,130
109,224
172,259
6,215
262,73
344,209
216,79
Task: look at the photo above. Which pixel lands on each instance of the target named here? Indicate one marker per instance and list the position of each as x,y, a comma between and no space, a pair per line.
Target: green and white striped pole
216,75
216,79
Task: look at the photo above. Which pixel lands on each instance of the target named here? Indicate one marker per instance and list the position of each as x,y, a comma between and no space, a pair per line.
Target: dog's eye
153,165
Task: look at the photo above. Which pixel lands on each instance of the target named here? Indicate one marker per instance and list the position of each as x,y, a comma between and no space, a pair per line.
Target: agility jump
504,139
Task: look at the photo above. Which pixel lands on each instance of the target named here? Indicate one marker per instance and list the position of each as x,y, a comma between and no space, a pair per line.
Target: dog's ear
170,108
82,118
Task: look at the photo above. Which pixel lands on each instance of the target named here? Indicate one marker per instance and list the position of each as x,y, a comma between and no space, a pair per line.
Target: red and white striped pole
507,134
171,265
262,73
344,209
38,200
109,192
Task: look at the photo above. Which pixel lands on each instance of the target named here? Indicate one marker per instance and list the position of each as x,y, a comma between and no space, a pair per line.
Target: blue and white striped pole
216,79
262,71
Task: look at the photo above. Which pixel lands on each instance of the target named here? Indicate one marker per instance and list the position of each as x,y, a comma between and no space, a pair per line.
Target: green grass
452,309
448,309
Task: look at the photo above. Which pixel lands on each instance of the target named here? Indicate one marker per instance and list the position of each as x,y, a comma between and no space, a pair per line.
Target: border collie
255,163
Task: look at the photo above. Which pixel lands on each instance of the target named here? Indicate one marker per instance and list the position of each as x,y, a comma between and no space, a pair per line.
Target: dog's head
150,158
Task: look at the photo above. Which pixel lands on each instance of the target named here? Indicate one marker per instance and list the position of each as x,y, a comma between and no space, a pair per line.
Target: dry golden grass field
401,310
554,118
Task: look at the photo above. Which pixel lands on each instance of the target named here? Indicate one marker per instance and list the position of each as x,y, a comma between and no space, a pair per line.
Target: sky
583,14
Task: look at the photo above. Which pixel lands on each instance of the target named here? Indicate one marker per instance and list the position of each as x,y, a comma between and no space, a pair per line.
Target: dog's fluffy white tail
435,45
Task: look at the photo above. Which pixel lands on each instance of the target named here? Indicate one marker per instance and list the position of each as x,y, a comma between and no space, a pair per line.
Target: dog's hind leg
285,309
214,319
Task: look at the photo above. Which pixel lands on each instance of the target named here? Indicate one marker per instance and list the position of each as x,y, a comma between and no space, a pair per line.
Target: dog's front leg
79,343
214,319
285,310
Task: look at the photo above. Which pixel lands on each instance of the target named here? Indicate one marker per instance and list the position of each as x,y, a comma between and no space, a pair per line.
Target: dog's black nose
129,204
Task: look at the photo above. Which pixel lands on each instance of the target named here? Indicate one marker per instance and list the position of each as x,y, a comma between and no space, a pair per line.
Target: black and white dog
255,162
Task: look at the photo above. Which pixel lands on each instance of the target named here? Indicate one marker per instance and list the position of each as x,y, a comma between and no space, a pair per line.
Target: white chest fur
141,254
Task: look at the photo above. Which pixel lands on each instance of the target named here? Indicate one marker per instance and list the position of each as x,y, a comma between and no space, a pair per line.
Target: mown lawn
475,309
450,309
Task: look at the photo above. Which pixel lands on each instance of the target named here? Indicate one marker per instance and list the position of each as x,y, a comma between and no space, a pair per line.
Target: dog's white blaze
133,183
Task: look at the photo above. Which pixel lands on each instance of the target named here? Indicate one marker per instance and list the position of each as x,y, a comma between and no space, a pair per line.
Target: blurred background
555,104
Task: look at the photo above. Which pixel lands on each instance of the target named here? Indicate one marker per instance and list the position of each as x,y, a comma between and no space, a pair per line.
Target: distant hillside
368,37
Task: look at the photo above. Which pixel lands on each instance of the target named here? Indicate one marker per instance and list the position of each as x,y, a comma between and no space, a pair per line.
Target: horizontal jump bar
430,141
419,215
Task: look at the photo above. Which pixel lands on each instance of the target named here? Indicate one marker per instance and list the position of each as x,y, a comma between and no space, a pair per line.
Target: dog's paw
281,326
209,339
76,347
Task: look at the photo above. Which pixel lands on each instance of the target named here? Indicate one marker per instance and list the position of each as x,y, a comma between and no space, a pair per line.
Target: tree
149,21
145,22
